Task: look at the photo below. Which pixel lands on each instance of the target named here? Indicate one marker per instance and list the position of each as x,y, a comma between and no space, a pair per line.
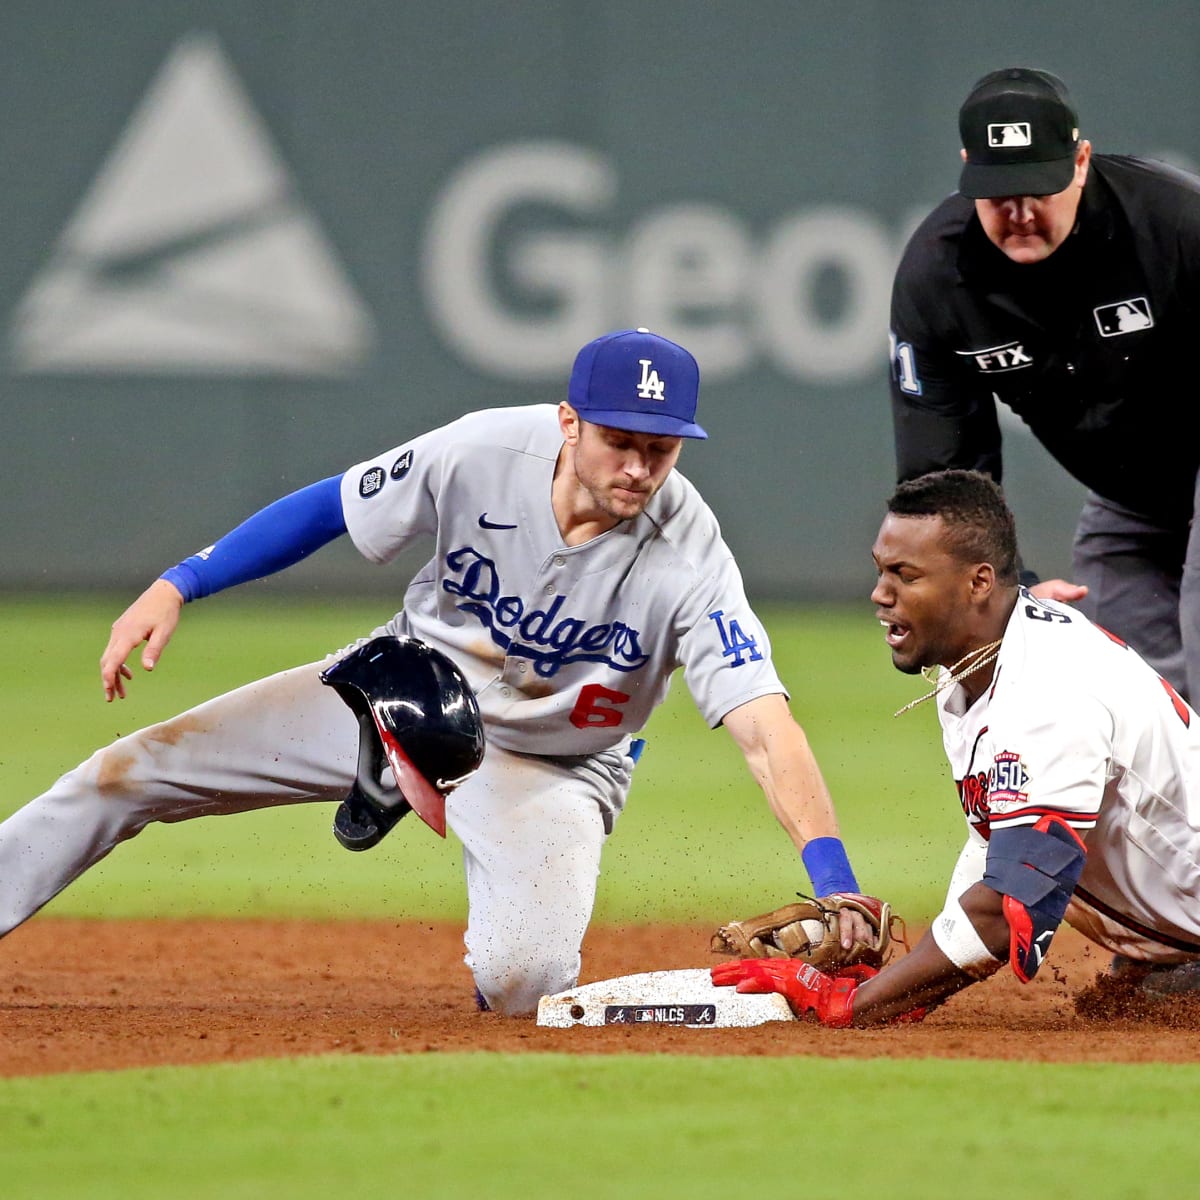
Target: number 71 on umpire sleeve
904,366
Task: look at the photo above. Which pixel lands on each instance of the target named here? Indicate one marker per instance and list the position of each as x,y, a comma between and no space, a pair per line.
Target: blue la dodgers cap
635,380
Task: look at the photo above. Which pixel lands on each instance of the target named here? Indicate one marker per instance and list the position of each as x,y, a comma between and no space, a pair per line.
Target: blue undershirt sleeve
828,867
277,537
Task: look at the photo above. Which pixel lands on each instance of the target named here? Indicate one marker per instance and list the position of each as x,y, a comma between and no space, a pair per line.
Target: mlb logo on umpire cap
637,381
1020,134
1010,133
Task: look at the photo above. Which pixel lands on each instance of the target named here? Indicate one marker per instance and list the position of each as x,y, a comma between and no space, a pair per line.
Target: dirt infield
104,995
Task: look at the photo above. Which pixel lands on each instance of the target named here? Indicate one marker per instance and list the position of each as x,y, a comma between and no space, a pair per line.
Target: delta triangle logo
192,252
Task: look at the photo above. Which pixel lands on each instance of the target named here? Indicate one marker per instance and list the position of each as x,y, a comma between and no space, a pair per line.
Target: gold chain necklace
990,653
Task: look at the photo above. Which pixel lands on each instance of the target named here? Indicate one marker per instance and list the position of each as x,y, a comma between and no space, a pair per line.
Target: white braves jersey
568,648
1077,724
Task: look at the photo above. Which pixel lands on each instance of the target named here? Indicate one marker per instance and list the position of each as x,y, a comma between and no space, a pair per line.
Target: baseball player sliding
1077,766
574,569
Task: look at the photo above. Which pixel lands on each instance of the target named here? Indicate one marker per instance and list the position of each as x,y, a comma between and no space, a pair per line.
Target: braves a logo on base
660,1014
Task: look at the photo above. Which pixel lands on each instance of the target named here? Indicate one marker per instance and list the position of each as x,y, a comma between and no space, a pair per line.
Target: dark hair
979,525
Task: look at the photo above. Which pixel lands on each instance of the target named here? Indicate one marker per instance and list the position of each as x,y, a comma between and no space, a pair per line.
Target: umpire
1067,286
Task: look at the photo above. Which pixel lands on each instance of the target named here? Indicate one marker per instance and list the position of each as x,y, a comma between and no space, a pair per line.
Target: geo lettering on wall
193,252
691,270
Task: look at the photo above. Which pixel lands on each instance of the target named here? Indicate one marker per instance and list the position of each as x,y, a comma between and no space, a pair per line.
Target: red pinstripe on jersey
1033,813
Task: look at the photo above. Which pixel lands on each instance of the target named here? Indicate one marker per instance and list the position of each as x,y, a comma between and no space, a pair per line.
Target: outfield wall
246,244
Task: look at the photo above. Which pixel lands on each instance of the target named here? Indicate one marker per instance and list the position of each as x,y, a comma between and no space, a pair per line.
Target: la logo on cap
637,381
1010,133
650,386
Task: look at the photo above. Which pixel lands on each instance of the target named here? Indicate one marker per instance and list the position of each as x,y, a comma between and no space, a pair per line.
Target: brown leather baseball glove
809,931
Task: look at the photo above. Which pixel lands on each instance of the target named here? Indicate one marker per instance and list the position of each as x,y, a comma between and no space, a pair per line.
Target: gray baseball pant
1143,579
532,828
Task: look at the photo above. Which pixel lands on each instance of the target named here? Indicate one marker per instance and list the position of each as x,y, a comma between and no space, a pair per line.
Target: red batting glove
830,997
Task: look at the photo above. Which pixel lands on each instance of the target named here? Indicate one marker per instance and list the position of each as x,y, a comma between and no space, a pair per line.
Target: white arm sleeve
960,942
952,930
970,868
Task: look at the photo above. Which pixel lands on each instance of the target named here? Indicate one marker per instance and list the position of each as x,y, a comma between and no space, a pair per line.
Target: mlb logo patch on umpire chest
1125,316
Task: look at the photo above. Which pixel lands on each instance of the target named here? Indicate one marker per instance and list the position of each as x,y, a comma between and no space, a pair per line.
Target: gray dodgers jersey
568,648
1077,725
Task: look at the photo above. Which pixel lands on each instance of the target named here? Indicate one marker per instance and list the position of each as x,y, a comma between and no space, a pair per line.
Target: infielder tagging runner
575,569
1077,766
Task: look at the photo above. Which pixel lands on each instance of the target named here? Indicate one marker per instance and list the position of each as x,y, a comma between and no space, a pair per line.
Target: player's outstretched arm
780,758
271,540
921,979
927,976
152,619
860,995
855,995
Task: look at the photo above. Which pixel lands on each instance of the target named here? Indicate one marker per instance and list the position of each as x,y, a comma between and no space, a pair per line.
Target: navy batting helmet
417,713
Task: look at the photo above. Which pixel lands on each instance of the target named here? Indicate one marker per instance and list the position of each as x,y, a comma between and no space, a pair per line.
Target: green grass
696,843
512,1127
697,839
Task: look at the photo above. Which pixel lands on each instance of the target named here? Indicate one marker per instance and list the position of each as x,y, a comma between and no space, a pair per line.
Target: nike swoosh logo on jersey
484,523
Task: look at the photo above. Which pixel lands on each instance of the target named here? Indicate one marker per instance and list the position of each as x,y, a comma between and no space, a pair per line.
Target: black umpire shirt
1095,348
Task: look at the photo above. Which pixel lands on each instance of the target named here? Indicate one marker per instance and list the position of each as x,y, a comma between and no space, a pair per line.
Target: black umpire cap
1020,132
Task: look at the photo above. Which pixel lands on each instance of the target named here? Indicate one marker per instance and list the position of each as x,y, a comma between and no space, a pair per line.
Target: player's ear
962,153
568,422
1083,158
983,582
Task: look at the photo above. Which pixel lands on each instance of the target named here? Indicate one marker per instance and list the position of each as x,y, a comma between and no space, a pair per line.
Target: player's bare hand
1059,589
152,619
854,927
